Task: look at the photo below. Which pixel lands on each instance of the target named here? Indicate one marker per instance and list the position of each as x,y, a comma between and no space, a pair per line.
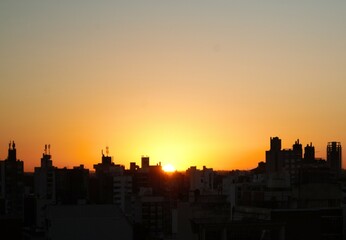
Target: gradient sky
184,82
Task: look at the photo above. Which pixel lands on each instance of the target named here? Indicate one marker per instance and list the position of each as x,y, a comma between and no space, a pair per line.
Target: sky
190,83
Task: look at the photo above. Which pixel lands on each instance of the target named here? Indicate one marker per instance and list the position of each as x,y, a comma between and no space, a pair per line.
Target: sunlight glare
168,168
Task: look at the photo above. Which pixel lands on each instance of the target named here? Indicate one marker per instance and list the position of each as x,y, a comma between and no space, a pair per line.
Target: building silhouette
11,194
45,186
283,163
309,153
109,183
11,184
273,161
334,159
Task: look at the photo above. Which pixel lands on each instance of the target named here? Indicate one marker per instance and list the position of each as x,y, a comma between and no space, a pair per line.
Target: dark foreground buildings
292,195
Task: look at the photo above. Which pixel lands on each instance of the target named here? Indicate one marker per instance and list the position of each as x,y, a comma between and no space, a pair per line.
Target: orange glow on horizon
207,88
168,168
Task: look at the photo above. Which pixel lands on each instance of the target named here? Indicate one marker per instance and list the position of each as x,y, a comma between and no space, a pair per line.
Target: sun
168,168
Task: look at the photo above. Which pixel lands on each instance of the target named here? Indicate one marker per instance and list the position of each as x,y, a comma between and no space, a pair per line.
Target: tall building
280,161
45,177
273,163
334,159
11,184
107,166
145,162
152,212
309,153
122,193
109,183
148,176
44,186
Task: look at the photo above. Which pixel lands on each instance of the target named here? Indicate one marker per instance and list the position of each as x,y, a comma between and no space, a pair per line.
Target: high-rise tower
334,159
273,163
309,153
11,183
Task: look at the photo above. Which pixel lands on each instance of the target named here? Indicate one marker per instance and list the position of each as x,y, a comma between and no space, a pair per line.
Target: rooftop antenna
49,149
107,150
45,149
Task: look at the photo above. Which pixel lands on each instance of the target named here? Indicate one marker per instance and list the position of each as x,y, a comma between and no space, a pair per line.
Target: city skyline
186,83
285,197
169,166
